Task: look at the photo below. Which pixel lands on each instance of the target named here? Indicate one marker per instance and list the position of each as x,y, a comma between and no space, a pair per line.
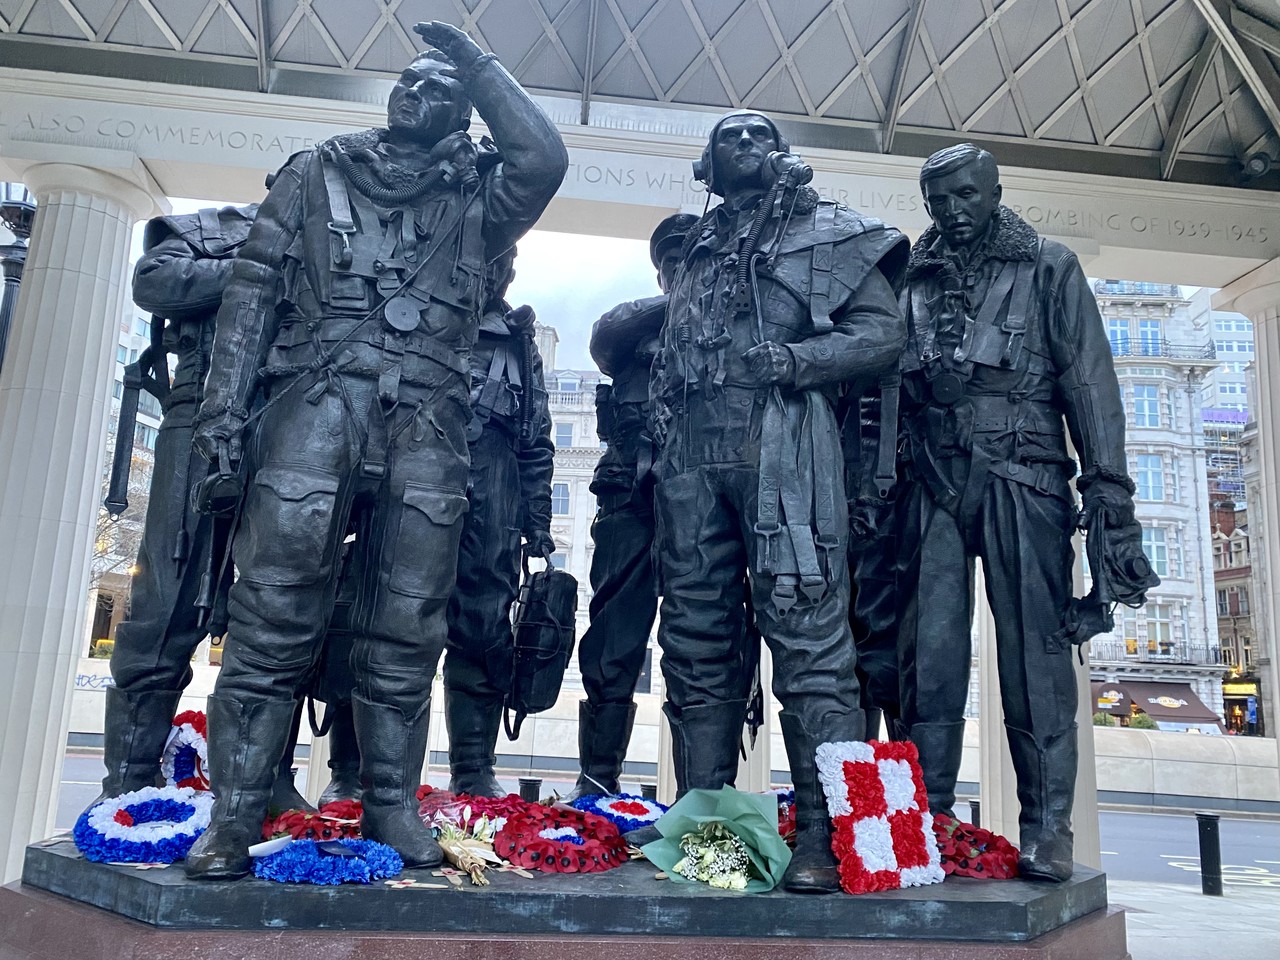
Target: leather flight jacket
509,396
368,258
822,286
1005,354
623,344
184,304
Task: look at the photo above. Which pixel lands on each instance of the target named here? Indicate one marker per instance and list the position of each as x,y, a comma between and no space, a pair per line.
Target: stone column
54,397
1257,296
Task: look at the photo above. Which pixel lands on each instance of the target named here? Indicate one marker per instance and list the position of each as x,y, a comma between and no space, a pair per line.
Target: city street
1145,847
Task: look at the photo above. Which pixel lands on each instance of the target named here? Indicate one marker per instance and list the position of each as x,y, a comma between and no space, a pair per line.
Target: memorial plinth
117,912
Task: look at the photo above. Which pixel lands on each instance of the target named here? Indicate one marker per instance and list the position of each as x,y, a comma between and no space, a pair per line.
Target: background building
1168,650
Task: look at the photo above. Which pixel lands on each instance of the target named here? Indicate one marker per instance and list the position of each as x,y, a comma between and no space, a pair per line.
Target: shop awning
1111,698
1175,702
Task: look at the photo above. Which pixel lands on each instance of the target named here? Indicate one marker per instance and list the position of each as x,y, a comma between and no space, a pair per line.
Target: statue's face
963,202
427,103
738,152
667,267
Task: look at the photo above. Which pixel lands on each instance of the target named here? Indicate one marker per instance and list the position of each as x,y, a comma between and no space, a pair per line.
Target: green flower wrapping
723,837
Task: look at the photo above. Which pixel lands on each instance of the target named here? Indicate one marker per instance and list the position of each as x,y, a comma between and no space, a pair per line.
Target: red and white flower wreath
882,830
186,752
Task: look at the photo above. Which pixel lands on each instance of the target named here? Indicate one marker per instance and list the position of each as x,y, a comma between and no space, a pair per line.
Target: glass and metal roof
1183,90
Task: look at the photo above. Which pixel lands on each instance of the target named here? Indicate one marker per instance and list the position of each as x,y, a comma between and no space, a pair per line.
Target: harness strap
493,382
887,453
341,225
211,232
824,220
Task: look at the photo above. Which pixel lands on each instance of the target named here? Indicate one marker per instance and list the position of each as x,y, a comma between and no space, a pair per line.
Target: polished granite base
626,902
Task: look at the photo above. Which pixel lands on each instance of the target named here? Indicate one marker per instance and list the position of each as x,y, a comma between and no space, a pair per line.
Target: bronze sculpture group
807,390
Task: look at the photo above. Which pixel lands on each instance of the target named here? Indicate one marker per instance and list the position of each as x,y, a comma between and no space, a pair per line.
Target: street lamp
17,212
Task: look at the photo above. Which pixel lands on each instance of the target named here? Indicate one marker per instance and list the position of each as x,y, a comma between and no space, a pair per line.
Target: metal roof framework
1158,89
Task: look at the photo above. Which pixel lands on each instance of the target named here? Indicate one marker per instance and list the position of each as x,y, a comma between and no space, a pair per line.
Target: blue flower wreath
302,862
622,809
151,825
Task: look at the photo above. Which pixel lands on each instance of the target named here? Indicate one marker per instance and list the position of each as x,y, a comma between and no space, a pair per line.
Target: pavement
1167,921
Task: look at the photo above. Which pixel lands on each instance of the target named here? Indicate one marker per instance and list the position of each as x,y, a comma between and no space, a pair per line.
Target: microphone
790,166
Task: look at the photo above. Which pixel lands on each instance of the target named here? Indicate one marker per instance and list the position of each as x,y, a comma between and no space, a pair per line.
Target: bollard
649,791
1210,854
530,789
975,812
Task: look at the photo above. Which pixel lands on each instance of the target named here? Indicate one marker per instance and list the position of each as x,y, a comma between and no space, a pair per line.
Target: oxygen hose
386,196
526,374
741,286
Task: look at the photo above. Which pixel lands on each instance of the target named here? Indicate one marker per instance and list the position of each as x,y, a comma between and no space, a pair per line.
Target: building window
117,390
564,435
1149,338
141,327
1129,630
1160,628
1156,549
567,386
1146,405
146,436
1223,609
1118,334
559,499
1150,476
122,354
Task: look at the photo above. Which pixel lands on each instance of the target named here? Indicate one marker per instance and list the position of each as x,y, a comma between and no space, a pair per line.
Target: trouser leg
478,662
701,559
624,603
1028,558
935,588
611,653
293,518
873,618
411,564
151,659
815,681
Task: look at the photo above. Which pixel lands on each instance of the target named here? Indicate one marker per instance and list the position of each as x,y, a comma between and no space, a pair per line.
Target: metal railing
1108,649
1161,349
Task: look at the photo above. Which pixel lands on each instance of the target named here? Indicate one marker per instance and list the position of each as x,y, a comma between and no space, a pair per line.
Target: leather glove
539,544
772,363
450,41
220,437
1109,502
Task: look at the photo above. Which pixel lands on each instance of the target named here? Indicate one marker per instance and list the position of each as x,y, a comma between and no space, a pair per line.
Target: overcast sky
568,279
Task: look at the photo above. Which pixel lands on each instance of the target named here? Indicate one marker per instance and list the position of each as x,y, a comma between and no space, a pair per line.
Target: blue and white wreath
151,825
305,861
625,810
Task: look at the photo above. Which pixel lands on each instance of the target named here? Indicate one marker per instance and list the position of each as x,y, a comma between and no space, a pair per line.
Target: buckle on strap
767,532
342,254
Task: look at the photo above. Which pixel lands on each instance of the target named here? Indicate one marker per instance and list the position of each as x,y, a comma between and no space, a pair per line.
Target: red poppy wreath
560,840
